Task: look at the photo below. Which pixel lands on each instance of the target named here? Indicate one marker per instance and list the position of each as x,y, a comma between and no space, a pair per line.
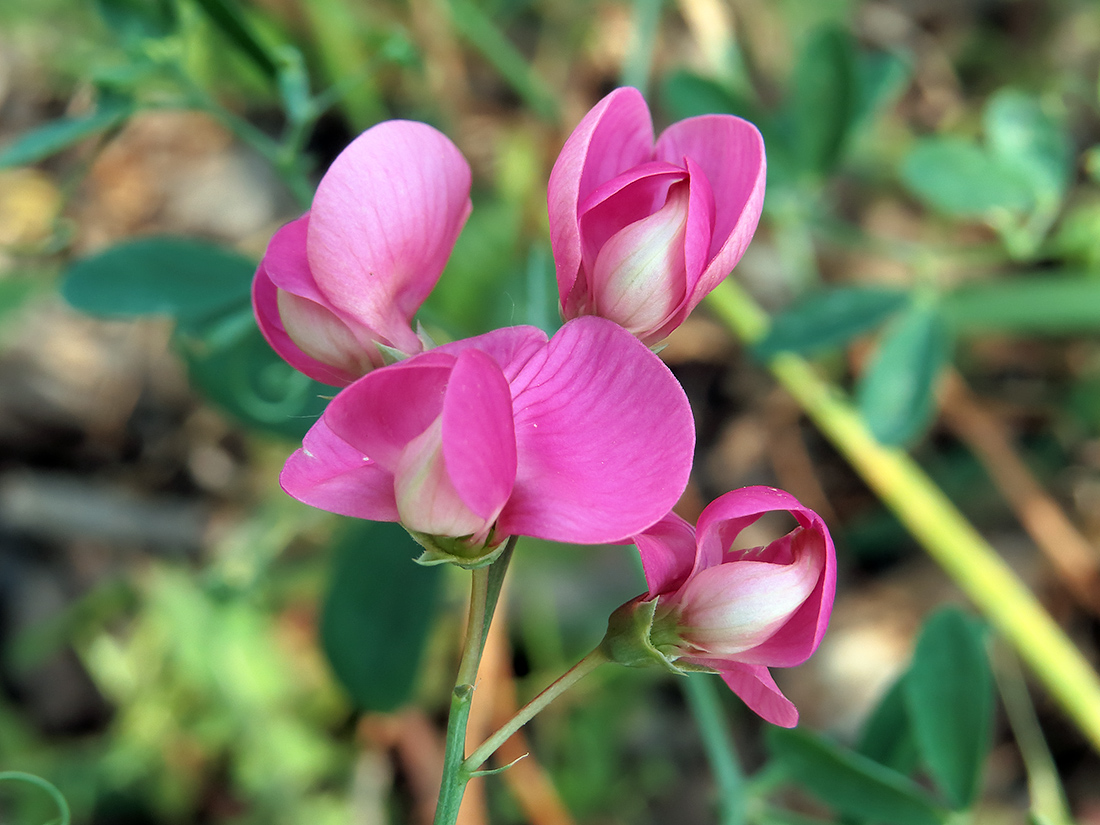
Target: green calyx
460,550
639,634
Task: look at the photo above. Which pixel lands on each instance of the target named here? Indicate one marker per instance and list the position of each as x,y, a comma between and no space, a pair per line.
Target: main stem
934,521
485,591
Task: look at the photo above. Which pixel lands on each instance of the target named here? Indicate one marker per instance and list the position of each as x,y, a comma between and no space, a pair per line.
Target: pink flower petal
757,689
384,410
668,553
479,434
384,220
511,347
718,527
330,474
604,437
615,135
730,153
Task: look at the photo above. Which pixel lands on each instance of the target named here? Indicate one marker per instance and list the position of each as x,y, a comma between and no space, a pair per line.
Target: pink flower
642,232
584,438
349,275
740,612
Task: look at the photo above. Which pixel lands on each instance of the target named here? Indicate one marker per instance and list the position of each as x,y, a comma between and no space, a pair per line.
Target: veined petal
386,409
330,474
510,347
757,689
668,553
639,277
615,135
604,437
479,434
384,220
730,152
322,336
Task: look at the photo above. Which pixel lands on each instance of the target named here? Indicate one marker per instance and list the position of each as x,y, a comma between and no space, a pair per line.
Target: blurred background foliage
183,644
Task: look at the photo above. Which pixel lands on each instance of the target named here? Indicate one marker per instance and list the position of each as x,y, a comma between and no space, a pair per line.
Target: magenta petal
615,135
757,689
730,153
384,410
511,347
668,553
330,474
265,305
604,437
479,436
384,220
718,526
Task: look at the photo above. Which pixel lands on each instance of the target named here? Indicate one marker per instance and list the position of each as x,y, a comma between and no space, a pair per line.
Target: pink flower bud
740,612
343,281
641,232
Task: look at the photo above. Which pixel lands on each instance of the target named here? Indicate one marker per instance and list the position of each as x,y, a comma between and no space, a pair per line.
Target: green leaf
137,19
849,783
1023,136
956,177
233,366
897,391
824,98
887,736
949,694
188,280
377,613
829,318
227,16
881,78
60,134
1053,305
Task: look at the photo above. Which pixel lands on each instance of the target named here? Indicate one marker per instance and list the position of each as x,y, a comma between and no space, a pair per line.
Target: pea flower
585,438
738,612
641,232
339,285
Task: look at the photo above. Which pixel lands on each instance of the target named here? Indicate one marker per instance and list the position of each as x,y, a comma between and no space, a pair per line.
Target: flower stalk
485,591
933,520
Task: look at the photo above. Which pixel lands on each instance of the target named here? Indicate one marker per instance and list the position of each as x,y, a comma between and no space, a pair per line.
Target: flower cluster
585,436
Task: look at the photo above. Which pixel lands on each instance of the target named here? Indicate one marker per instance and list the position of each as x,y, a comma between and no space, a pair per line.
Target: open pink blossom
584,438
740,612
349,275
641,232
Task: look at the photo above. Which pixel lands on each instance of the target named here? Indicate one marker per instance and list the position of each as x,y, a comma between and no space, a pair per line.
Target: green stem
709,719
934,521
524,715
59,799
485,592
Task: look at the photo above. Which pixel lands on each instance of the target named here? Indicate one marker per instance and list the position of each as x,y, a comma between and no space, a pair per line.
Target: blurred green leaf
137,19
685,94
227,16
958,177
824,98
60,134
1021,134
887,736
850,783
881,78
188,280
232,364
830,318
14,293
1054,305
949,694
896,392
377,613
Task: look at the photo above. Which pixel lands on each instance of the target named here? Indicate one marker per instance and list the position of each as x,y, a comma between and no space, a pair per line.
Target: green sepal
631,631
391,355
452,550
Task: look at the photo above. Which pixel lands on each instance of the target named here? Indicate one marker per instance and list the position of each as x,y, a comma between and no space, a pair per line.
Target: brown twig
1073,558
